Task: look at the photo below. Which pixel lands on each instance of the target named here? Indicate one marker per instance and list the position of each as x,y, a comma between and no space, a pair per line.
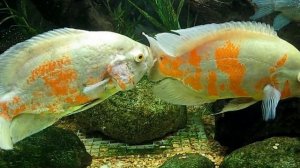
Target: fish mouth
121,75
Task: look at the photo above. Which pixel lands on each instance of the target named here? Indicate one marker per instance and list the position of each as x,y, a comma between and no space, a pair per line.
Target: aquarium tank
149,84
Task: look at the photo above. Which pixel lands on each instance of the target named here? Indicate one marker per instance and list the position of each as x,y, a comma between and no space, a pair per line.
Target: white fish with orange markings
245,61
289,11
62,72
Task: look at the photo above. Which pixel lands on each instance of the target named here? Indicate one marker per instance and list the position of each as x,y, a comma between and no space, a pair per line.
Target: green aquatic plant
19,16
167,17
123,23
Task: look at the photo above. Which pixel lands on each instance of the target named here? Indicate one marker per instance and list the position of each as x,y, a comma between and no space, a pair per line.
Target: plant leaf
148,17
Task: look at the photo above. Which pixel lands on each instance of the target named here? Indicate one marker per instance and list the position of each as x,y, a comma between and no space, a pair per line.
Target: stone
53,147
188,160
238,128
134,116
275,152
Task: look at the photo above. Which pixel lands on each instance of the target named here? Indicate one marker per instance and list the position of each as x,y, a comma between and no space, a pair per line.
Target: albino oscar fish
62,72
289,11
245,61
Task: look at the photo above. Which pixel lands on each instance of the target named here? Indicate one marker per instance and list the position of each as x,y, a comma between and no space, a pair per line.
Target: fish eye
139,58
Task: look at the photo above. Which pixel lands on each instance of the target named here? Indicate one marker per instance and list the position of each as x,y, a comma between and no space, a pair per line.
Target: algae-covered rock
276,152
134,116
50,148
188,161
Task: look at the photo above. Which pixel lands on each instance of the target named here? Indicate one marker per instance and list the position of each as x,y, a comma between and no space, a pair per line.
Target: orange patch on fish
16,99
57,75
286,91
194,58
262,83
227,61
193,81
212,84
170,66
222,86
4,111
279,63
78,99
19,110
47,67
59,81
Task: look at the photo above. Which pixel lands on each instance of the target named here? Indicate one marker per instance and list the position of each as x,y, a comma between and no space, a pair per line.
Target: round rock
134,116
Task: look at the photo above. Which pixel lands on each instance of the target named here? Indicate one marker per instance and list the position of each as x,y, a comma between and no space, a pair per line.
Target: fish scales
230,60
63,72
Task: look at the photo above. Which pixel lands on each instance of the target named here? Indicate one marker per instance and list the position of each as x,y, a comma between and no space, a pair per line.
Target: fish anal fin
25,125
237,104
5,138
175,92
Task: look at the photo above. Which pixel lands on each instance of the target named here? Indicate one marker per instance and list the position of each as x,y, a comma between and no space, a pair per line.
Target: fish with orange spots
243,61
62,72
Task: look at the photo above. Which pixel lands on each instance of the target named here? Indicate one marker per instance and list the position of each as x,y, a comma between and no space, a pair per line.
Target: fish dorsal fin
181,41
18,54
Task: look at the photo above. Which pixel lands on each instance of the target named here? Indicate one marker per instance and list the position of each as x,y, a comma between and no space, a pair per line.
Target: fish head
129,66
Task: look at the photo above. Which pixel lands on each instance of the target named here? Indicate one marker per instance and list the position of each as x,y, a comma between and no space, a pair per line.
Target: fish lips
122,76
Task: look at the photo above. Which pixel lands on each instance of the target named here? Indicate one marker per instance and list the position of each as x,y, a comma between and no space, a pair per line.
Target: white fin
264,7
269,103
187,39
156,48
95,89
5,138
25,125
109,91
238,104
14,57
280,21
175,92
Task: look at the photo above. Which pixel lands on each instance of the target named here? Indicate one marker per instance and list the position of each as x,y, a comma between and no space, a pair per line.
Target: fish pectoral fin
237,104
95,88
175,92
5,138
263,8
27,124
155,74
270,102
102,89
280,21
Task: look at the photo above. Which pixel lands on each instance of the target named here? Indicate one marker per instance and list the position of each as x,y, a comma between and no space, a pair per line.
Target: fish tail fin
25,125
5,137
264,7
